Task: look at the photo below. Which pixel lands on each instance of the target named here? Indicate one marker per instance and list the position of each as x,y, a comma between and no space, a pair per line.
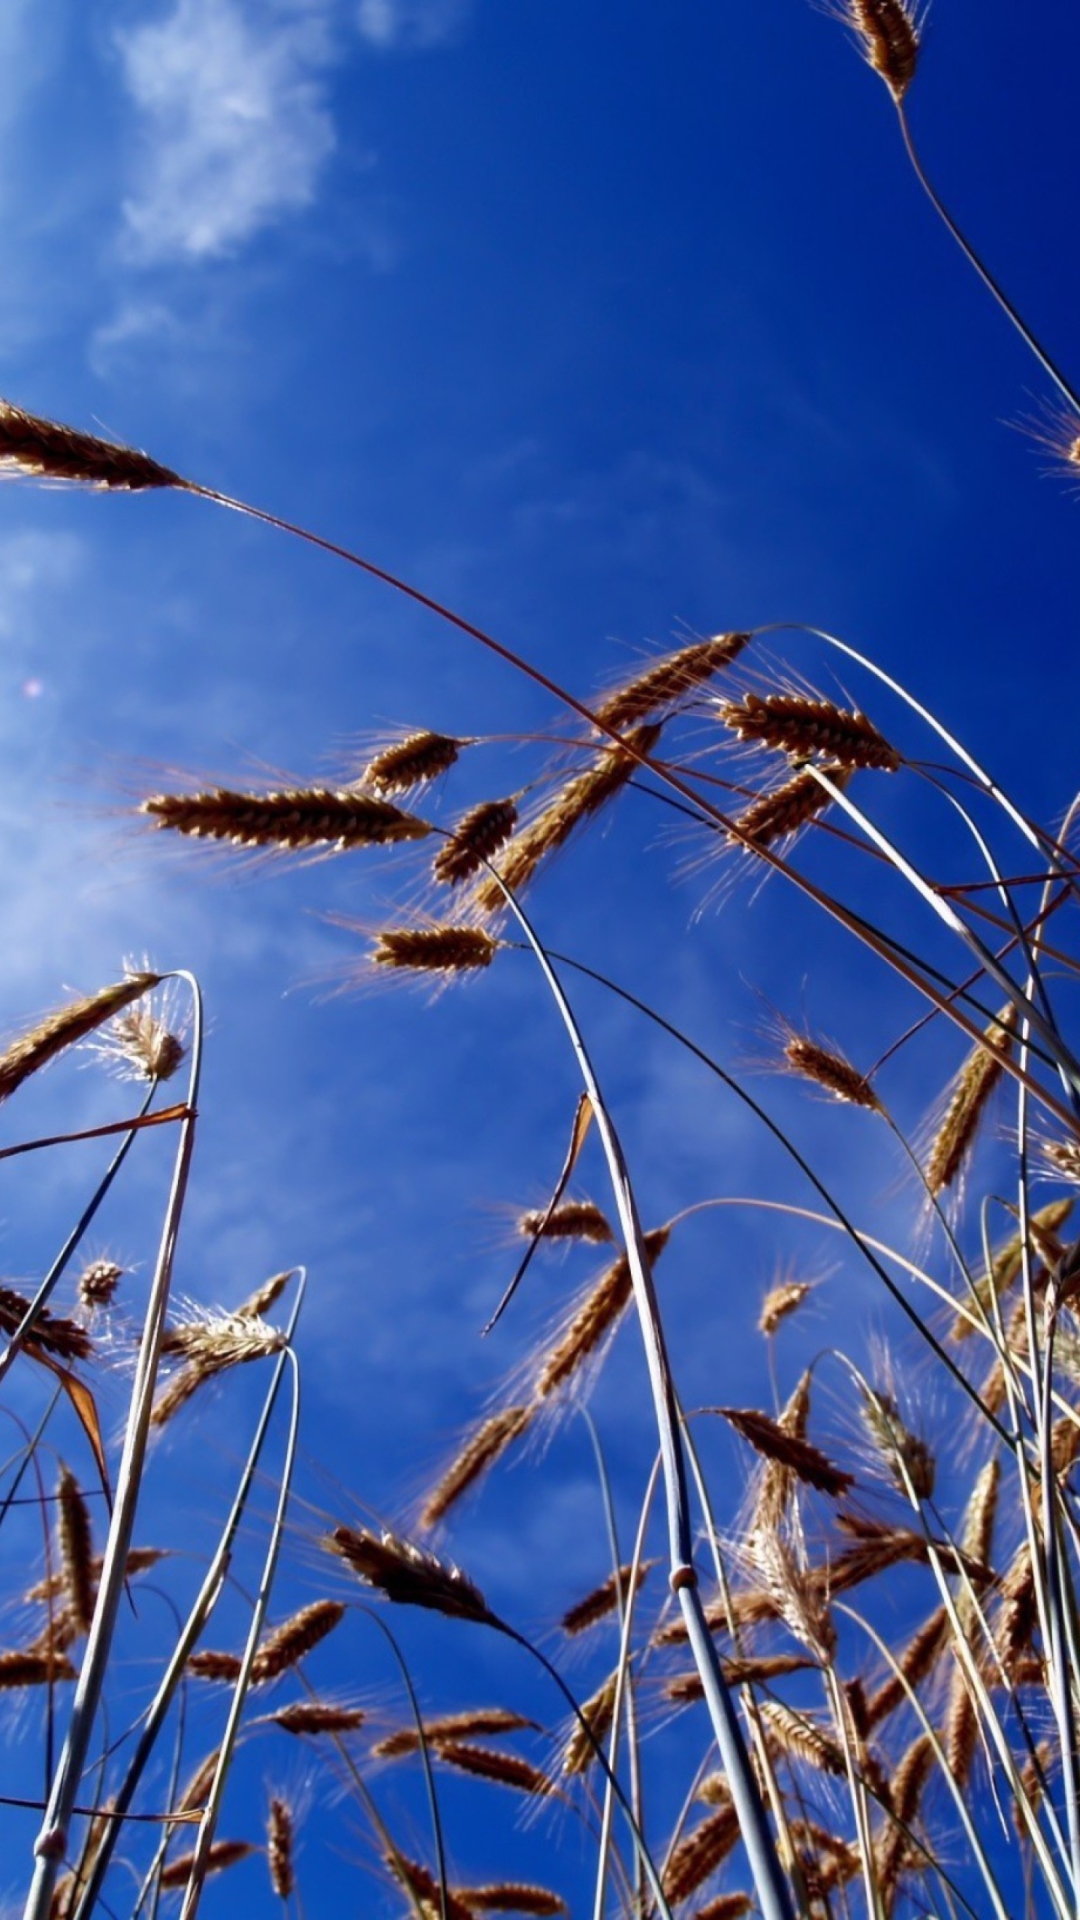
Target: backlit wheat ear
781,1301
573,1220
434,949
490,1763
577,800
477,837
603,1600
595,1319
98,1282
209,1664
280,1839
471,1723
221,1855
787,809
682,1689
907,1458
51,1333
802,1739
411,762
139,1045
808,1462
830,1071
889,34
25,1668
918,1659
893,1850
968,1098
486,1445
1006,1262
66,1027
597,1712
433,1900
293,819
511,1896
804,728
49,451
408,1575
210,1347
726,1906
315,1716
700,1853
194,1795
76,1550
295,1639
667,682
258,1304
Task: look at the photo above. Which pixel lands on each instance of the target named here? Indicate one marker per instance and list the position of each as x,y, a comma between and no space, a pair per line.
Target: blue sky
603,325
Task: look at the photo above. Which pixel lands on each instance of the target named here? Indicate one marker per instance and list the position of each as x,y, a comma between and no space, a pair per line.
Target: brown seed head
76,1550
699,1853
432,1900
484,1446
512,1896
259,1303
63,1028
295,1639
27,1668
787,809
50,1334
410,762
595,1318
314,1716
890,40
194,1795
577,800
906,1457
435,949
917,1660
490,1763
141,1045
408,1574
795,1734
968,1097
830,1071
767,1436
604,1599
98,1282
222,1854
473,1722
292,820
780,1301
280,1837
597,1712
667,682
477,837
805,728
31,445
573,1220
726,1906
208,1664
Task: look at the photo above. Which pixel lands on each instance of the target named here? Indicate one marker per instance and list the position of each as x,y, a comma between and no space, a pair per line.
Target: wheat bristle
512,1896
572,1220
409,763
668,681
784,811
316,1716
700,1853
577,800
890,40
597,1712
49,1333
443,949
295,1639
65,1027
407,1574
476,838
280,1838
97,1283
219,1856
47,450
970,1091
604,1598
486,1445
293,819
780,1301
793,724
451,1726
76,1550
828,1069
595,1318
768,1437
25,1667
489,1763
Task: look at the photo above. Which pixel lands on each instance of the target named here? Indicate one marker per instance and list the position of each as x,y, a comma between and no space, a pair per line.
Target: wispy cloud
234,123
405,24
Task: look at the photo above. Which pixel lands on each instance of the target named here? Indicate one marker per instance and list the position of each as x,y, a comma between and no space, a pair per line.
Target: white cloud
404,24
235,126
